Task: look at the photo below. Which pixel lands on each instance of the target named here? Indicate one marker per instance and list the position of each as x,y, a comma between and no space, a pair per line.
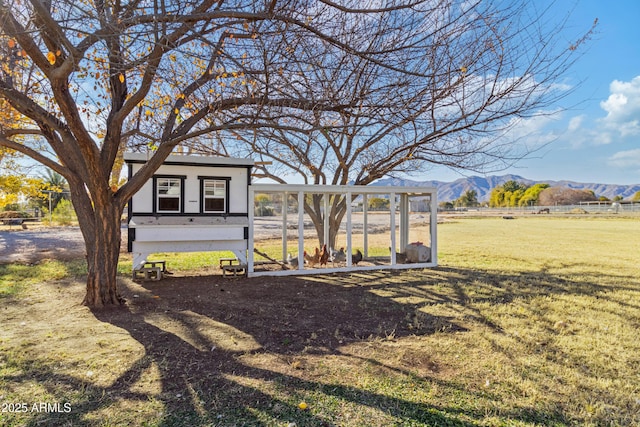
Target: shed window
214,195
169,194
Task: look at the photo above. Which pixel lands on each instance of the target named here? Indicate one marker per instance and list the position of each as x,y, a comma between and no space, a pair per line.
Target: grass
189,263
526,322
14,278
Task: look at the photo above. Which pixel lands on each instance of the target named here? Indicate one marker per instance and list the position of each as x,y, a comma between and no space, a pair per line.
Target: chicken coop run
310,229
208,204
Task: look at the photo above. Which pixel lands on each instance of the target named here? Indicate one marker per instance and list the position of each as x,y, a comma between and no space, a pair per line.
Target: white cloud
615,104
629,128
621,122
625,159
623,108
533,133
575,123
601,137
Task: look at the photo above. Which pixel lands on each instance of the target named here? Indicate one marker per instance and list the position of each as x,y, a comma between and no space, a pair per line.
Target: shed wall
142,202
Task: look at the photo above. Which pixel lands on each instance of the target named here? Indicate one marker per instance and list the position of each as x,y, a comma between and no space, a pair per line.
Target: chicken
357,257
312,260
324,255
338,256
401,257
292,261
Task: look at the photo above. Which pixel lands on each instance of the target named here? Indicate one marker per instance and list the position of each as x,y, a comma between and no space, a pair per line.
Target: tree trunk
101,231
337,211
102,266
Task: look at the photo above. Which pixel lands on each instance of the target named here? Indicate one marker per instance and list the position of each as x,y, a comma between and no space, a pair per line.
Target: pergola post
251,219
300,230
325,218
285,202
433,229
349,230
365,224
404,221
392,211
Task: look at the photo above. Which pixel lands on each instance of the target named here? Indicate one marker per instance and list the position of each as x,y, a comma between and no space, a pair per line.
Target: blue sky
597,137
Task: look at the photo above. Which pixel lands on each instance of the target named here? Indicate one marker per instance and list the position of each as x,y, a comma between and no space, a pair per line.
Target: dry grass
528,322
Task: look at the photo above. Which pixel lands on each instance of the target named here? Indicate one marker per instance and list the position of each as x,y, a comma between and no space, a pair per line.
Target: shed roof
178,159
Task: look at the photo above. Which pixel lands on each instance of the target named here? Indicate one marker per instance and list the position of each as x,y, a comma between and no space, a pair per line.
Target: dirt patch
282,314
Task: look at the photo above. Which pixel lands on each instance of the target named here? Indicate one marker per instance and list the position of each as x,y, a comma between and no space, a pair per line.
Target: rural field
533,321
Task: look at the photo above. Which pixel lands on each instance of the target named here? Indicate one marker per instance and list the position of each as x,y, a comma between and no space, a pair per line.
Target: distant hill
449,191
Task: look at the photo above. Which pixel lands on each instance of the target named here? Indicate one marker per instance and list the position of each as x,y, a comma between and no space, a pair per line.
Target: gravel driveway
47,242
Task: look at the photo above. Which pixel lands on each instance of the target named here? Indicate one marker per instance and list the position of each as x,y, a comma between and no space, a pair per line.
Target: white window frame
168,187
225,191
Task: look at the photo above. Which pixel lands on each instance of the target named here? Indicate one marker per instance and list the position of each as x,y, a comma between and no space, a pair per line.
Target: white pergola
402,206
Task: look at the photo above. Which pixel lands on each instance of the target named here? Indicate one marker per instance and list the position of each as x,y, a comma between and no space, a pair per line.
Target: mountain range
449,191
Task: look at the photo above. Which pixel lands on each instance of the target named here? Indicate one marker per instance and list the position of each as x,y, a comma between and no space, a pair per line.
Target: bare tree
437,83
553,196
88,77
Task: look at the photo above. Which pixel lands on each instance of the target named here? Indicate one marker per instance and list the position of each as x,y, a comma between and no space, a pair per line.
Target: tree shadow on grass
285,317
205,382
196,331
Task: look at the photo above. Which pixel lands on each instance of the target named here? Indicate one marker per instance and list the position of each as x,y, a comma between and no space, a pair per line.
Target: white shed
191,204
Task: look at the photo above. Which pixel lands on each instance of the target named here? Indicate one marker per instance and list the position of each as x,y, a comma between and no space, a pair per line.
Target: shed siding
142,202
195,234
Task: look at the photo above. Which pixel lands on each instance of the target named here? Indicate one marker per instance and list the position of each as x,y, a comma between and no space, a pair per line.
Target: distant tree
9,119
446,205
496,197
515,197
618,198
564,196
468,199
603,199
64,213
507,194
58,187
531,195
263,205
14,188
636,197
512,186
378,204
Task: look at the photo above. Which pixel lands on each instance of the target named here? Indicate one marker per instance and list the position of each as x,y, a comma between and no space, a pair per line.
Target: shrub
264,211
64,214
14,214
